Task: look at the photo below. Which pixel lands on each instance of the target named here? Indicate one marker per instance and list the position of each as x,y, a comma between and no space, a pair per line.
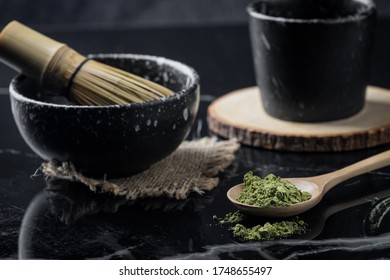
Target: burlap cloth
193,167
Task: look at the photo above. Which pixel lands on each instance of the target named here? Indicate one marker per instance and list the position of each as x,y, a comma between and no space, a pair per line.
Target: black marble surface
70,222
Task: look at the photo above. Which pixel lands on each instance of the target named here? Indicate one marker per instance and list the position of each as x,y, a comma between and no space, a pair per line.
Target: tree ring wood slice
240,115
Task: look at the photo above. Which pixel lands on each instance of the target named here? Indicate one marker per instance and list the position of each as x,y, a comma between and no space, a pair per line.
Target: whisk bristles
100,84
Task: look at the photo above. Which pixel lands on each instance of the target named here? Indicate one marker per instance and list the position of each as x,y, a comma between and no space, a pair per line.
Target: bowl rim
190,72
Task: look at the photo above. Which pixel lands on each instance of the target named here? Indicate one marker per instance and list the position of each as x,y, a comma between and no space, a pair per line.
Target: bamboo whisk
57,67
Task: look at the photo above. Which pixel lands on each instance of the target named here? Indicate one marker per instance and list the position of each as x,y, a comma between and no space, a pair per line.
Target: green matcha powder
270,191
268,231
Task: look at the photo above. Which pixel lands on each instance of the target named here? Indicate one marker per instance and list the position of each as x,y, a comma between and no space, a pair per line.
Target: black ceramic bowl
113,141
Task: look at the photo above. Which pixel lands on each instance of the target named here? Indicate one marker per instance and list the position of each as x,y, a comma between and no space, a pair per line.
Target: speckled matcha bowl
112,141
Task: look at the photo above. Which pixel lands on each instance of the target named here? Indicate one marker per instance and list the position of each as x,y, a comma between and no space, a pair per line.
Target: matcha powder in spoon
271,191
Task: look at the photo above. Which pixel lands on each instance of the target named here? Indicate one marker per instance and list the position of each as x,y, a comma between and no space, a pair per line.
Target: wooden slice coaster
240,115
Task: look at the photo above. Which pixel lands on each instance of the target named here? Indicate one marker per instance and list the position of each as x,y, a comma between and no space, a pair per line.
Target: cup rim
369,9
192,83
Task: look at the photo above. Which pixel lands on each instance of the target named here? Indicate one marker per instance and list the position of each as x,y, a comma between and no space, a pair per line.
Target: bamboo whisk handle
39,57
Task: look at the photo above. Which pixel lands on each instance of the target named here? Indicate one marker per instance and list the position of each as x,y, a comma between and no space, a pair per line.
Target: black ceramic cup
112,141
312,57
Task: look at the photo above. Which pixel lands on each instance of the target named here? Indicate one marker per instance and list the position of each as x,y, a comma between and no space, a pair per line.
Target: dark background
104,13
100,26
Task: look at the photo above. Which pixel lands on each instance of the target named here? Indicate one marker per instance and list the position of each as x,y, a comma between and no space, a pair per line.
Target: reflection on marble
67,221
102,226
13,199
71,201
376,217
318,219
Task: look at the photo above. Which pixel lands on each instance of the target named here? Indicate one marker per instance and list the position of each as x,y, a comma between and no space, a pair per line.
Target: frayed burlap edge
193,167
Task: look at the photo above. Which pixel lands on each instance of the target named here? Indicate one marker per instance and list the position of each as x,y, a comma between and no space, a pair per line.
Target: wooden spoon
317,186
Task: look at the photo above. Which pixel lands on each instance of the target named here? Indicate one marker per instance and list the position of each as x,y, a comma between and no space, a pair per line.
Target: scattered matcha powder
270,191
269,231
230,218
